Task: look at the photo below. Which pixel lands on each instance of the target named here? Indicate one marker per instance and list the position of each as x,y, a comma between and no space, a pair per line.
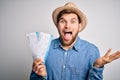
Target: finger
41,72
38,65
107,53
114,56
39,69
37,61
35,65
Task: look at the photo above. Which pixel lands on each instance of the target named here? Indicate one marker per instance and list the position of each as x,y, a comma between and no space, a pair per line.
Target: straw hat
74,8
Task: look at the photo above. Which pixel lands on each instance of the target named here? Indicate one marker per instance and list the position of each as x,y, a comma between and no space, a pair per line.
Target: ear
80,27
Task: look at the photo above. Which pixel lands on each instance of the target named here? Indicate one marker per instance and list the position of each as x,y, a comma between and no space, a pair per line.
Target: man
71,58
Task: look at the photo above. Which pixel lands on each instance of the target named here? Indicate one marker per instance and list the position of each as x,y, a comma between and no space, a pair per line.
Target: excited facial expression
68,28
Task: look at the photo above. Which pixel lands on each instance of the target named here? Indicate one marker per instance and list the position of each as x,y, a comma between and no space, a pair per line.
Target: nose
67,25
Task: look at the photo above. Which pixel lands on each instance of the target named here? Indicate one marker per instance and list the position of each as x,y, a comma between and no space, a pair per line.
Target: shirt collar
77,44
57,43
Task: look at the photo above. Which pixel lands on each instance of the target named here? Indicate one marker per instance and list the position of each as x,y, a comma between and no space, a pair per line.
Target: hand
39,68
107,58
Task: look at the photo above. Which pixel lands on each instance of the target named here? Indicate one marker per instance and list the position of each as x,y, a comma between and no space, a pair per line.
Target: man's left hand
107,58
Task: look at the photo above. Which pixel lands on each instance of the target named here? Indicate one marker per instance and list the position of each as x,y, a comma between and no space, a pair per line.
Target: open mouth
69,32
67,35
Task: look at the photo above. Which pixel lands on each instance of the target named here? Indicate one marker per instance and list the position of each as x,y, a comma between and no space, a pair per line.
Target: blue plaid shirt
73,64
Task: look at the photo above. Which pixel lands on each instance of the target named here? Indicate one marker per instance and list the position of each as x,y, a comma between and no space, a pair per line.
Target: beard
70,42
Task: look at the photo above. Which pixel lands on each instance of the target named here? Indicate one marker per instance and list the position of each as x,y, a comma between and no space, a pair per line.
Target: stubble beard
68,43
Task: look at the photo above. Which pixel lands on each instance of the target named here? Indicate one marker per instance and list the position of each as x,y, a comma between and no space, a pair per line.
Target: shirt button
65,53
64,67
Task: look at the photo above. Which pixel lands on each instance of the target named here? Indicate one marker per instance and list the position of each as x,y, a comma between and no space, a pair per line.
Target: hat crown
70,4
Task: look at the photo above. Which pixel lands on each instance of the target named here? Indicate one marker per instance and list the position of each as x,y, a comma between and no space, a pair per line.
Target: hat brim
74,9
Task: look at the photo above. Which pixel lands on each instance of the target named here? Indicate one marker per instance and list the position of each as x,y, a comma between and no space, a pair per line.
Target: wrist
98,65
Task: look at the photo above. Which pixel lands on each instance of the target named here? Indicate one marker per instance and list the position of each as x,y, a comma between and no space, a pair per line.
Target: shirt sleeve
34,76
94,72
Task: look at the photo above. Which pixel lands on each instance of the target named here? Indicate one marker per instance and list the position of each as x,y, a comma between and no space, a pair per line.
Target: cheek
76,29
59,30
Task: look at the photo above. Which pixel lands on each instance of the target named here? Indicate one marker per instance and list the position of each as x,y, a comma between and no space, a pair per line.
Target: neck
67,47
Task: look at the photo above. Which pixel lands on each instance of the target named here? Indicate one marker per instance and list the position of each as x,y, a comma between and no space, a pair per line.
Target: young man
71,58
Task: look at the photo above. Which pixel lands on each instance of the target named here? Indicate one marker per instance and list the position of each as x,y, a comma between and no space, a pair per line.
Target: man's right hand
39,67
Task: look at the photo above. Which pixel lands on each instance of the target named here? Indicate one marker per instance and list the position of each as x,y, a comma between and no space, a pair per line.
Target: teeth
68,32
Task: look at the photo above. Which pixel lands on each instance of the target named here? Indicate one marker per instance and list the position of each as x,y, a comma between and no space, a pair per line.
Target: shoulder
85,43
55,42
88,46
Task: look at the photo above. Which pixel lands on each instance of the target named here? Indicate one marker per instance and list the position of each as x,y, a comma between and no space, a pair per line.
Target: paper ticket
39,44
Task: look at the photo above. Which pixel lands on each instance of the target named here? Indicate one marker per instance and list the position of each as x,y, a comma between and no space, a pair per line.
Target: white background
19,17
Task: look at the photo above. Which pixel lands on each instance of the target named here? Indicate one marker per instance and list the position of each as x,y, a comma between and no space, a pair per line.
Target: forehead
69,16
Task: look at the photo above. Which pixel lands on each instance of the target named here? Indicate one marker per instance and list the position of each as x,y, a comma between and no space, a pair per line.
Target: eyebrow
72,18
61,18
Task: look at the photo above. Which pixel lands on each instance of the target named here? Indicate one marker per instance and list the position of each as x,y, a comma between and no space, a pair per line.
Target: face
68,28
